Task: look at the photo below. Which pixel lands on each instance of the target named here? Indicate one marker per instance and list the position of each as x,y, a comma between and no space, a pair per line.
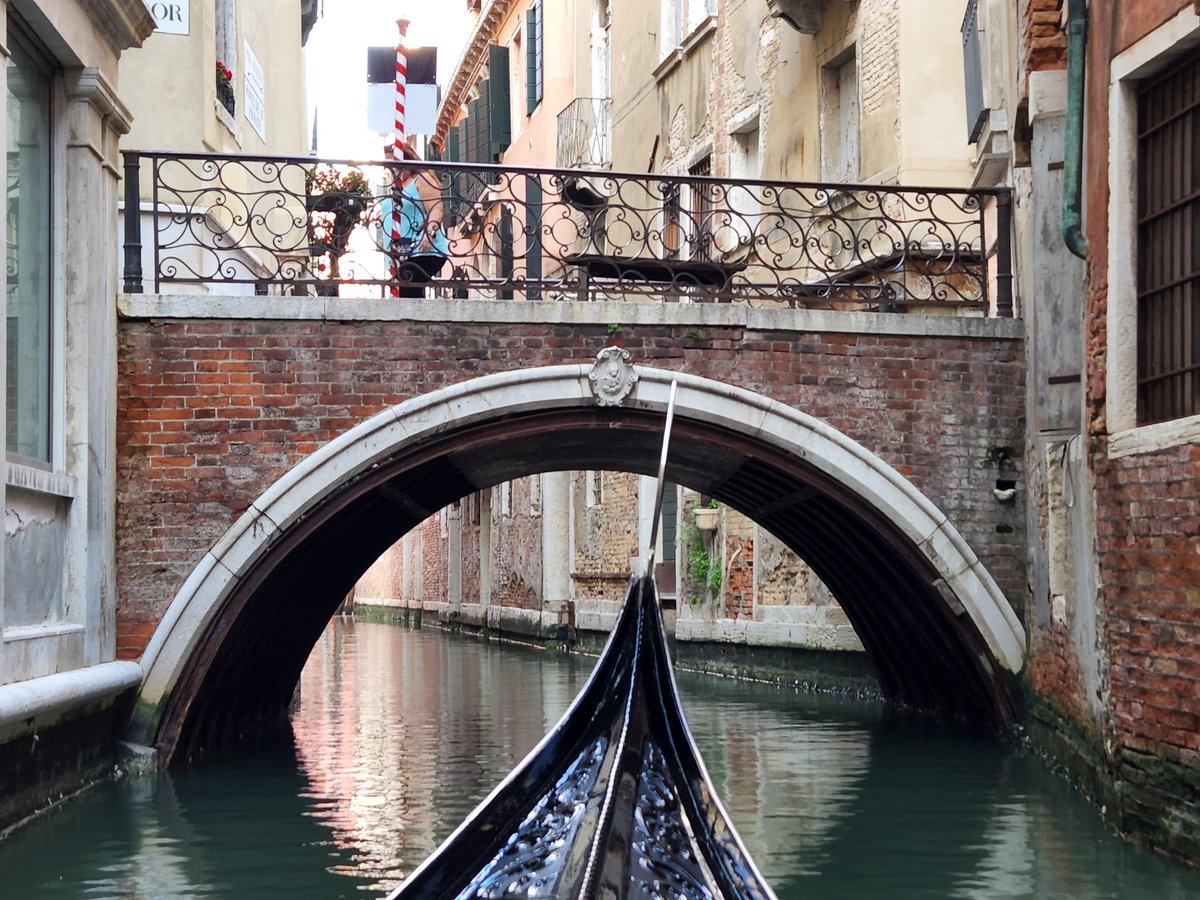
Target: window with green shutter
498,103
533,57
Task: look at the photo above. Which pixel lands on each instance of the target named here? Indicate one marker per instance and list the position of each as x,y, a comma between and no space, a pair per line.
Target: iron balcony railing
264,224
585,134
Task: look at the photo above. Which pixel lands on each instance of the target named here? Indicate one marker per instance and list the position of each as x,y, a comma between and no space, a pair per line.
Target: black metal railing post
133,222
1004,274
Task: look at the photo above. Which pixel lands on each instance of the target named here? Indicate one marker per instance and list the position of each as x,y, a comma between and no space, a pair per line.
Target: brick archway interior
226,656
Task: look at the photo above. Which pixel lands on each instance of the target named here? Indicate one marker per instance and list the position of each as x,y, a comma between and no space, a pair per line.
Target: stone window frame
535,495
594,487
683,24
841,121
1139,61
47,476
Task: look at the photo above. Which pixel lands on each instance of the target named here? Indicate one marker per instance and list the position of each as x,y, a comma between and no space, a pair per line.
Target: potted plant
339,198
225,86
703,573
706,516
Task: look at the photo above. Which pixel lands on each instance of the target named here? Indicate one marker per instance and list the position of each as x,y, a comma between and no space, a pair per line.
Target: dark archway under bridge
227,654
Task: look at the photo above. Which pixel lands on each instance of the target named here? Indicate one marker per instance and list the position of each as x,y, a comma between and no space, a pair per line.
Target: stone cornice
93,87
125,23
466,73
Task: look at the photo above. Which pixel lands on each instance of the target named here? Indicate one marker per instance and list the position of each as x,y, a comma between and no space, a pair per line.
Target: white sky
336,58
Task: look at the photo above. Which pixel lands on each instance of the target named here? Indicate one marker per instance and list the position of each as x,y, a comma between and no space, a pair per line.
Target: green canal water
399,733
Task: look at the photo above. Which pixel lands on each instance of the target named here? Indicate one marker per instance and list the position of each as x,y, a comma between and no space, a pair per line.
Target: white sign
420,108
170,16
255,109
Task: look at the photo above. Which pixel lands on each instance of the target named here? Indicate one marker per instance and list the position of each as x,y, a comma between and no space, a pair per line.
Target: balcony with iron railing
241,224
585,134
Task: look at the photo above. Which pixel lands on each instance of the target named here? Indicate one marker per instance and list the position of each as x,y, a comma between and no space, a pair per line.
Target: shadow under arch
226,656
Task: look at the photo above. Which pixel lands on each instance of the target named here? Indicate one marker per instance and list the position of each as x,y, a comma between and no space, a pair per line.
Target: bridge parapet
278,225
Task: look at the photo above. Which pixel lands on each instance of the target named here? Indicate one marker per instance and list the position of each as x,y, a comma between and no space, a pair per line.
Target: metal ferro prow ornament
615,801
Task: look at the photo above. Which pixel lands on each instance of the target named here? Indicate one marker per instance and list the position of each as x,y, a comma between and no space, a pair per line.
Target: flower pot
706,518
225,96
341,212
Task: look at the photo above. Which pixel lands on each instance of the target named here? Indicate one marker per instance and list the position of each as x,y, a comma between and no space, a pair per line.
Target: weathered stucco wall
171,82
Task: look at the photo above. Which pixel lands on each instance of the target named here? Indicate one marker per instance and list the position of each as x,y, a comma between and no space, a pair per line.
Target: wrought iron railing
260,223
585,134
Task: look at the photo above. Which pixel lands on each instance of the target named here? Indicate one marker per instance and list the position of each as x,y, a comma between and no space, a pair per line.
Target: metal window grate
1168,253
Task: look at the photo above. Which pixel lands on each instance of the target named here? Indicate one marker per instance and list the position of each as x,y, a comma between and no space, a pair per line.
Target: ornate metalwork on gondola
614,802
529,233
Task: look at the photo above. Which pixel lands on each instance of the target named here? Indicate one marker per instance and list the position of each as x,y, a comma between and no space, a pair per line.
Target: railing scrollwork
300,226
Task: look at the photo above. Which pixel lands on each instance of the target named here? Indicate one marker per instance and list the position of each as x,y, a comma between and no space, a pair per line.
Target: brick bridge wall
213,409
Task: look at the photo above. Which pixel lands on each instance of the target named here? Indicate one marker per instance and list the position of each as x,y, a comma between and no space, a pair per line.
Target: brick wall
1148,539
1045,41
1147,740
212,413
517,550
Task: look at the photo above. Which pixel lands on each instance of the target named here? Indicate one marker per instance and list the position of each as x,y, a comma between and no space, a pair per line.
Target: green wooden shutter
533,232
531,98
539,44
499,103
533,57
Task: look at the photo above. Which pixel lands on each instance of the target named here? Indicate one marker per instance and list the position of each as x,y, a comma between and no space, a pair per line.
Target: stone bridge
271,447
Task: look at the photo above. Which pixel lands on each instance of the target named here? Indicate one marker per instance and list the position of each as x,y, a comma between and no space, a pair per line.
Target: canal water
399,733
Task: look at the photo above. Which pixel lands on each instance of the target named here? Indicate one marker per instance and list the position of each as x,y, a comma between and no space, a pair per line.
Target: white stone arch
565,387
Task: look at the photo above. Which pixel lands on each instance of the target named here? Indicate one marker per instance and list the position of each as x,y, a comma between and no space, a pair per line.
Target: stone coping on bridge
565,312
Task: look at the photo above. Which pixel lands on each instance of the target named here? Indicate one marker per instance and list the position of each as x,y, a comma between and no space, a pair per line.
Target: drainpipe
1072,220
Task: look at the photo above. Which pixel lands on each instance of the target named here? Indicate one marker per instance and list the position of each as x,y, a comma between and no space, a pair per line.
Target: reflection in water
399,733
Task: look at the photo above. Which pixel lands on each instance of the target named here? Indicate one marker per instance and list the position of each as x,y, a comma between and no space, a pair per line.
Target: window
28,322
595,488
601,52
1153,342
535,495
973,72
486,131
1168,242
673,12
702,202
668,528
839,122
679,18
225,34
534,63
672,225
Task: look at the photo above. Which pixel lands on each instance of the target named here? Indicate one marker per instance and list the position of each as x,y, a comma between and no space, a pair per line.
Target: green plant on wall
703,568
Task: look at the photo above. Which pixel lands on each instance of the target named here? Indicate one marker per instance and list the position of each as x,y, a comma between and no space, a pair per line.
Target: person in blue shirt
423,248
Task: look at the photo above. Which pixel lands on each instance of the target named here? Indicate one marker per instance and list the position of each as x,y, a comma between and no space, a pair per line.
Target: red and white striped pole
398,147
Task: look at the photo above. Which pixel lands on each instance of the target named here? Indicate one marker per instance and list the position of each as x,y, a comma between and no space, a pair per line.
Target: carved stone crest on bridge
612,376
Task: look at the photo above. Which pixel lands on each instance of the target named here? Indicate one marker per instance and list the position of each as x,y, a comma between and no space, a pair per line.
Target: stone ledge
567,312
27,707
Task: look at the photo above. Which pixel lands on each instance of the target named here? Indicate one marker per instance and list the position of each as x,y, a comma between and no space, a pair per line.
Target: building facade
66,113
868,92
1114,404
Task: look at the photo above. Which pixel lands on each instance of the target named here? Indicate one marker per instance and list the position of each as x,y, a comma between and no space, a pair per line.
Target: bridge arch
228,651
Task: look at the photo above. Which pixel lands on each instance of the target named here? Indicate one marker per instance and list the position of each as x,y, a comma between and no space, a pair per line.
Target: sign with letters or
255,108
170,16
